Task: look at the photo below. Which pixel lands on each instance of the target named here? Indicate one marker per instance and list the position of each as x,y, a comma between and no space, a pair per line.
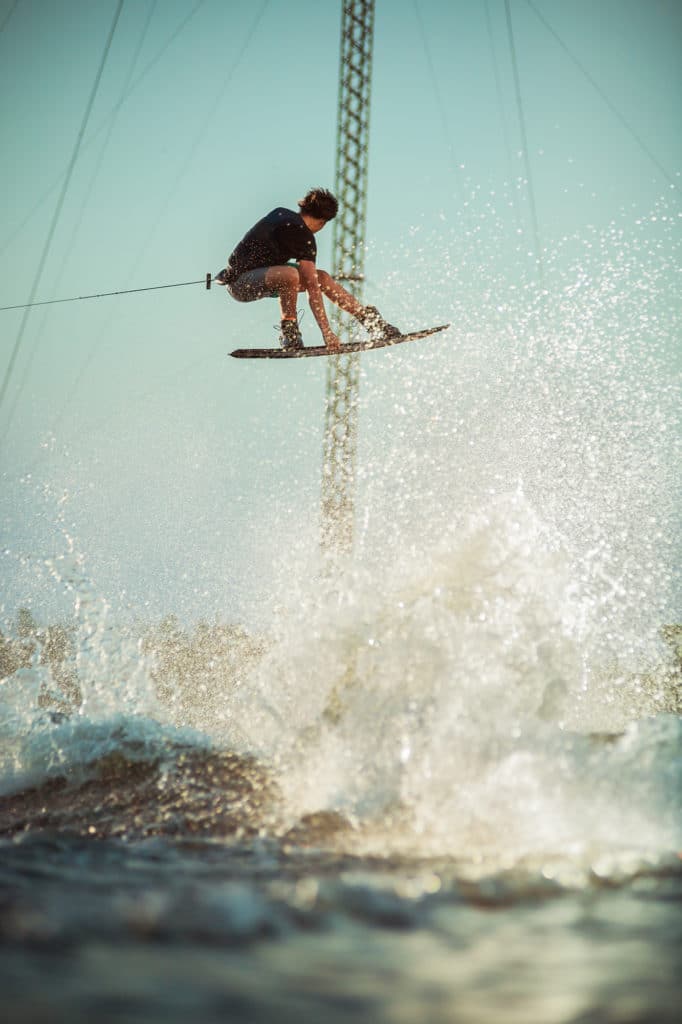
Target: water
196,929
439,783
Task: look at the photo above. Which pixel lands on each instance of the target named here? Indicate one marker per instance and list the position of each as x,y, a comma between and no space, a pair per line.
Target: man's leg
338,294
286,282
368,316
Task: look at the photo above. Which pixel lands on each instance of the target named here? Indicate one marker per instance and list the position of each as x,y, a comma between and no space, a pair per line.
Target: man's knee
283,278
291,275
325,280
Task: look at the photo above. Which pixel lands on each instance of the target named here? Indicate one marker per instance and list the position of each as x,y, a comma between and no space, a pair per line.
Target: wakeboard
322,350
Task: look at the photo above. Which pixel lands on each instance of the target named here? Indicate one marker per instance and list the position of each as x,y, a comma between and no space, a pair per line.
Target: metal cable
60,203
524,142
612,107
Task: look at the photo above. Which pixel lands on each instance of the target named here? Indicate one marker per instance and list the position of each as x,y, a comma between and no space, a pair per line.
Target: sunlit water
442,782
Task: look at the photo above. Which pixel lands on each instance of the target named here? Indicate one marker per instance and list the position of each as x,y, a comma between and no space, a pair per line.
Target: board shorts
250,286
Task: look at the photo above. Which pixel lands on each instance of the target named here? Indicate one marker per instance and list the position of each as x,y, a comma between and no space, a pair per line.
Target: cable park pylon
352,152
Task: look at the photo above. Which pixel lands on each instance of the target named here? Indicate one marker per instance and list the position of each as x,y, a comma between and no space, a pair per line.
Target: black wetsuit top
279,237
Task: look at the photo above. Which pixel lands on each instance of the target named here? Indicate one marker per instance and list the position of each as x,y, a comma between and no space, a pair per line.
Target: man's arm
309,281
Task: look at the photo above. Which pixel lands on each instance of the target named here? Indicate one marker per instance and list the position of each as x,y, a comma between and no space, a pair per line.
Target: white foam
451,693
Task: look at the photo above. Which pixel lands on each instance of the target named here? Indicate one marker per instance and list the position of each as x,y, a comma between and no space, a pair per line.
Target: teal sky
126,410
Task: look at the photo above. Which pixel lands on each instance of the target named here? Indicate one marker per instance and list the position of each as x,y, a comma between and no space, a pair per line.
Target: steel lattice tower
352,148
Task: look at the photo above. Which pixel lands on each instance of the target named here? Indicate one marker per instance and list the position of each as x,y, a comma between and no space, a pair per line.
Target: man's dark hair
319,202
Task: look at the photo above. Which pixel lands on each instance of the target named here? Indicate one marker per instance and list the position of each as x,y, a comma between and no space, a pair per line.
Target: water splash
457,706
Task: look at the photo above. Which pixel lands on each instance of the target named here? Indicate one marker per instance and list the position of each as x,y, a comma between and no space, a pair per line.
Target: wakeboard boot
378,328
290,335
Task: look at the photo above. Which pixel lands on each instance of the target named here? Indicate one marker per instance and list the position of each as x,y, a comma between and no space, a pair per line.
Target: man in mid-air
276,259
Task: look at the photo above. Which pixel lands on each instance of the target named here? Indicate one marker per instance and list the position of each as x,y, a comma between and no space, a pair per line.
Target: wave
465,708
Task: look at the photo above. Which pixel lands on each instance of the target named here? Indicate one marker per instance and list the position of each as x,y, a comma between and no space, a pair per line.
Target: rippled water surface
169,930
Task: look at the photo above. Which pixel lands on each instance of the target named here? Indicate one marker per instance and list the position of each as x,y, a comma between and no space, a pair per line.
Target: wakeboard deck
322,350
